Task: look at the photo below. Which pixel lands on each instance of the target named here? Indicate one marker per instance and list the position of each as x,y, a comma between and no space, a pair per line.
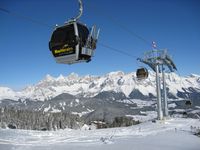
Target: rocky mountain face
125,85
94,98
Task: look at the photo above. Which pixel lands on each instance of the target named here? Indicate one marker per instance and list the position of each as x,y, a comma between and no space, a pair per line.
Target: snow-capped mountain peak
48,78
73,76
7,93
90,86
60,78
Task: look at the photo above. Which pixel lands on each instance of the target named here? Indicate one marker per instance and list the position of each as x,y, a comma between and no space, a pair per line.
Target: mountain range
119,83
103,98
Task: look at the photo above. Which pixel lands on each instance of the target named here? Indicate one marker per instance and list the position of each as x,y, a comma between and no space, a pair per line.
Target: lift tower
157,60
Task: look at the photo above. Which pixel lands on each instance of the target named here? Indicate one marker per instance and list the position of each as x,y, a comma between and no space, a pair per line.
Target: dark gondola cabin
72,43
142,73
188,103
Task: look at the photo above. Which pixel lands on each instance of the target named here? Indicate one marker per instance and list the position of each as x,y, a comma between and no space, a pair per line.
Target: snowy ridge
7,93
90,86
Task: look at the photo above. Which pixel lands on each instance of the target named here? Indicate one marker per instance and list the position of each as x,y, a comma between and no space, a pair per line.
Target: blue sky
26,59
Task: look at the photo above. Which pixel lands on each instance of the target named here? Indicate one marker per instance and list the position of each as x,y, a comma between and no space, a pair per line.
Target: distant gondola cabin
188,103
142,73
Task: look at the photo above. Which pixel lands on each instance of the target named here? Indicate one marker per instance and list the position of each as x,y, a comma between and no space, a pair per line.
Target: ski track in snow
113,138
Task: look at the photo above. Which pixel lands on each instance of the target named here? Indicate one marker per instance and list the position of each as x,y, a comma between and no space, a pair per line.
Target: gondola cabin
188,103
72,43
142,73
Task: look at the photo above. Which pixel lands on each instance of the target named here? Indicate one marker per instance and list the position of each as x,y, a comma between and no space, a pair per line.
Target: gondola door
64,43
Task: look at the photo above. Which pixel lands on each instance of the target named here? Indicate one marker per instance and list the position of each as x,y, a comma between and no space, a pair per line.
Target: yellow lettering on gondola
63,50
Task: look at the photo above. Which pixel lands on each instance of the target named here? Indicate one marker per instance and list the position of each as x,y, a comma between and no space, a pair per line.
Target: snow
195,111
77,101
126,89
90,85
179,110
85,127
52,109
55,110
146,116
142,103
172,105
197,107
172,134
7,93
47,109
83,112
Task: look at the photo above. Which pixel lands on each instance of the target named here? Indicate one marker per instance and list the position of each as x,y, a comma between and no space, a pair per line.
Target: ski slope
172,134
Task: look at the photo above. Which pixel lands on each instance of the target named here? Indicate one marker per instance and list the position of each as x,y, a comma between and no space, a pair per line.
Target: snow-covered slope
90,86
173,134
7,93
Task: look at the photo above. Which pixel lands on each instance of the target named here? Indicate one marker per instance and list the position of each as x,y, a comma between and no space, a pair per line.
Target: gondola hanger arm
80,12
